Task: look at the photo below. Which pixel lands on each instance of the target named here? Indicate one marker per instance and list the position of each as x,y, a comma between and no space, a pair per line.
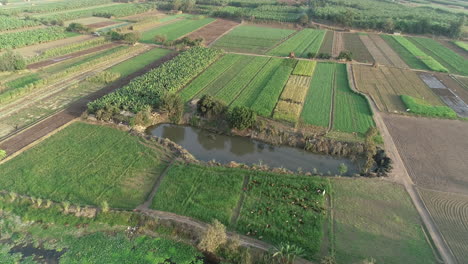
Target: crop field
448,58
462,45
9,23
450,213
352,112
305,68
200,192
30,37
412,61
362,215
130,66
252,39
353,43
381,52
175,30
304,42
327,44
83,171
385,85
212,31
292,99
317,104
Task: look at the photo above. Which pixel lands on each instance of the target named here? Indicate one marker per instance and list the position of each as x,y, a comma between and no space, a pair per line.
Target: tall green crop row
9,23
415,51
421,107
30,37
170,77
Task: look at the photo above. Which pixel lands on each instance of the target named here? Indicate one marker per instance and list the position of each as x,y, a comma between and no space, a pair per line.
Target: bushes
173,105
210,107
421,107
345,55
241,117
78,28
11,61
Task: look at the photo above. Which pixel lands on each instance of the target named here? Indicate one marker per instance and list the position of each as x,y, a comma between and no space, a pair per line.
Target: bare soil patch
376,53
434,151
338,43
389,53
213,30
102,24
454,85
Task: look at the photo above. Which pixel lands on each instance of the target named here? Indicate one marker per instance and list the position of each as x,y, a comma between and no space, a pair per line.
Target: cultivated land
353,43
83,167
381,51
327,44
303,44
386,85
212,31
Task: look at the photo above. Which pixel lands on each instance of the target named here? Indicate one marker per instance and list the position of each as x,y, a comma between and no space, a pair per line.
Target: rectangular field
305,68
132,65
327,44
252,39
405,55
351,111
292,99
304,42
385,85
75,165
175,30
353,43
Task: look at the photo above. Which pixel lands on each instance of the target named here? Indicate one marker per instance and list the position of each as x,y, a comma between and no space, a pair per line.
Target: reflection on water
207,146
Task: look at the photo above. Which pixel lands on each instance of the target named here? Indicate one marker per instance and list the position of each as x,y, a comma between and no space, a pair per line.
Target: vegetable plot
304,42
305,68
292,99
9,23
30,37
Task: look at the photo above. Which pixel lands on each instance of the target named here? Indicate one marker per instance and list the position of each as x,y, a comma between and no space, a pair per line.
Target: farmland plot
292,98
351,111
385,85
304,42
451,60
213,30
25,38
317,105
327,44
455,84
353,43
338,44
450,212
252,39
304,68
376,53
175,30
412,61
391,55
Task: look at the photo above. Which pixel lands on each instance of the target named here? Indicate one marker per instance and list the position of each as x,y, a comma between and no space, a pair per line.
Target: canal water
207,146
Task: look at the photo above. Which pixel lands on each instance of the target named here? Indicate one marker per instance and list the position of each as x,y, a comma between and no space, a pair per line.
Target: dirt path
400,175
55,60
149,200
24,138
235,215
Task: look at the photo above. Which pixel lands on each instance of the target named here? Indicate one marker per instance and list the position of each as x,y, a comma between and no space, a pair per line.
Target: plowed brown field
213,30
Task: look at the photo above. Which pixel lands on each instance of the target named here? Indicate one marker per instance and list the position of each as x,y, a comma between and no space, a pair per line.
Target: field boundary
146,204
222,35
237,210
332,104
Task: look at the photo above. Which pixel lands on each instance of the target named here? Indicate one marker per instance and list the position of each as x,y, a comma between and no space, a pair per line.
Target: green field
304,42
22,81
252,39
132,65
447,57
174,30
380,220
86,164
352,112
424,108
461,44
304,68
412,61
316,110
200,192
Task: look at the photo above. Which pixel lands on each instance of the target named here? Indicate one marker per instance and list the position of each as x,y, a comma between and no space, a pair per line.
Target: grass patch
380,220
421,107
23,81
86,164
205,193
305,42
138,62
304,68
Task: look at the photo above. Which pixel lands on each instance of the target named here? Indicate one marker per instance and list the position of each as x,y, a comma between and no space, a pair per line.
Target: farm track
55,60
146,205
237,210
400,175
26,137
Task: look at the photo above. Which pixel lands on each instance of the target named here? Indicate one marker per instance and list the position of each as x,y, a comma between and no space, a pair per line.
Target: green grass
252,39
205,193
380,220
175,30
461,44
211,74
447,57
86,164
430,62
316,110
284,208
352,111
421,107
23,81
304,68
267,98
138,62
304,42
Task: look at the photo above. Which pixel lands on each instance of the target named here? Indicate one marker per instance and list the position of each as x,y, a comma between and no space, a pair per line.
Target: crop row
415,51
317,105
231,90
209,75
287,111
352,111
53,78
62,50
421,107
170,77
304,42
9,23
305,68
405,55
461,44
175,30
444,55
26,38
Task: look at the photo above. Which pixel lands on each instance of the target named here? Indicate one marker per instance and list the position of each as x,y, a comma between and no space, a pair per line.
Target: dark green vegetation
26,38
409,59
252,39
421,107
143,91
86,169
362,215
22,81
276,207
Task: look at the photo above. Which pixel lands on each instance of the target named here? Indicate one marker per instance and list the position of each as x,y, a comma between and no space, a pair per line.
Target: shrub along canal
207,146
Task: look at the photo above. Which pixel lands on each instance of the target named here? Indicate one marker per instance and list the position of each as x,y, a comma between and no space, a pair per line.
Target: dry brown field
389,53
376,53
212,31
338,43
353,43
450,213
327,44
385,85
